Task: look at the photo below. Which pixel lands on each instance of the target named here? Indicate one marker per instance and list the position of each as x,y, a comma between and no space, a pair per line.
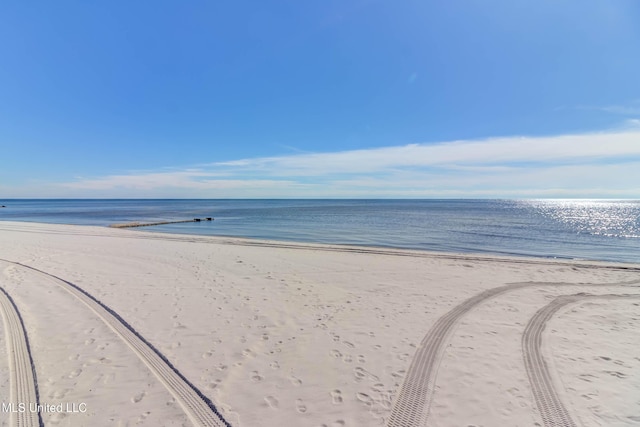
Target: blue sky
320,99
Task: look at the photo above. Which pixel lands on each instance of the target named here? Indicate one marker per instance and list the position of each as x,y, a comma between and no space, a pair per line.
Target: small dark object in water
196,219
209,219
3,206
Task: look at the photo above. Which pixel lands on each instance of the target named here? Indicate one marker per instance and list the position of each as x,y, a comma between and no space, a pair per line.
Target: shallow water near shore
607,230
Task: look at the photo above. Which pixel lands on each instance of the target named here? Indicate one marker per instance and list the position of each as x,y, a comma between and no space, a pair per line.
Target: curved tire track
198,407
412,405
552,410
23,386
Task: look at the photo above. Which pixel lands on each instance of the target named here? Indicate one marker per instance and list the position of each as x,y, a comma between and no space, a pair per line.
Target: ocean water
582,229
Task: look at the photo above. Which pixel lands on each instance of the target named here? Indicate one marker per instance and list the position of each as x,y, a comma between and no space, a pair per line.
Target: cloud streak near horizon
583,165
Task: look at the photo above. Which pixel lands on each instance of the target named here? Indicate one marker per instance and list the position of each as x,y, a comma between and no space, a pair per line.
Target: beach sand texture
155,329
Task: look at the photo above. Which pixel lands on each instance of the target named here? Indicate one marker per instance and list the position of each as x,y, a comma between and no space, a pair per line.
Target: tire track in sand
550,406
22,377
413,402
200,410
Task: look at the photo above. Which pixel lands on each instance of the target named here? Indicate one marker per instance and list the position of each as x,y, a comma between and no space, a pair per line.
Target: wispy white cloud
496,151
586,165
630,109
632,123
621,109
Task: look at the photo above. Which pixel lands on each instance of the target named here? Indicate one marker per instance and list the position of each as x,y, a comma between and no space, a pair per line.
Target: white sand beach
289,334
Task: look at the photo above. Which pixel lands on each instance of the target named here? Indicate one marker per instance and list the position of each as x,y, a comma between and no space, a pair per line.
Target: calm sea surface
588,229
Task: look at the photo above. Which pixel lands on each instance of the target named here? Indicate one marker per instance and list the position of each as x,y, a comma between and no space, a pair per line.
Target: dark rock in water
197,219
209,219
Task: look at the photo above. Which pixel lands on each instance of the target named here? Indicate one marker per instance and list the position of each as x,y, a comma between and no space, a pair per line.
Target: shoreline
284,333
350,247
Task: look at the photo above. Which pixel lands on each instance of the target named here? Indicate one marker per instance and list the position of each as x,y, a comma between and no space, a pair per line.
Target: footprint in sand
300,406
514,391
364,398
385,401
399,374
616,374
336,397
143,417
75,373
108,379
336,353
57,418
272,402
103,346
256,377
295,381
378,387
274,365
59,394
138,397
361,373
